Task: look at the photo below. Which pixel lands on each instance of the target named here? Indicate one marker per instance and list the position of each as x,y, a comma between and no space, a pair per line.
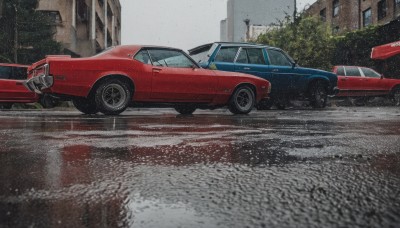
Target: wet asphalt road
338,167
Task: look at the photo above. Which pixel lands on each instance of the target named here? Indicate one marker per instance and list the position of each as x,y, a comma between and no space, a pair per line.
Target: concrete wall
224,31
85,36
258,12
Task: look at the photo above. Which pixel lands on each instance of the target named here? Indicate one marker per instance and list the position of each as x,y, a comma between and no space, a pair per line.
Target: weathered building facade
244,15
85,27
348,15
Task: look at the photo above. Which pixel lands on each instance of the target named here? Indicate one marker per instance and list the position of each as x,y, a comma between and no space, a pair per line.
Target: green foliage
311,42
35,32
308,41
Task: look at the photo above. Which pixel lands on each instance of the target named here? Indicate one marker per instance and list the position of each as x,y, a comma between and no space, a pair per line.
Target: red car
354,81
110,81
11,87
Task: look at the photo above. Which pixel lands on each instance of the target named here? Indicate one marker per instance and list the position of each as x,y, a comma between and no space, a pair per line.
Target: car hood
304,70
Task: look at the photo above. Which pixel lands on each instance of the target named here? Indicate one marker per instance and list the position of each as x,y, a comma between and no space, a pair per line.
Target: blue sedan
288,80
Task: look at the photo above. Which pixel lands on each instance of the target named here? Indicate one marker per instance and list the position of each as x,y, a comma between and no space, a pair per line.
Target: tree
26,35
307,40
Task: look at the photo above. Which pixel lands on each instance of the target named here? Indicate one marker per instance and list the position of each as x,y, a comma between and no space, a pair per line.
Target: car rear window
353,71
5,72
370,73
340,71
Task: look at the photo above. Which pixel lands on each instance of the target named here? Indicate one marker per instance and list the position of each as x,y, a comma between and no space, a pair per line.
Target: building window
335,7
101,3
54,16
322,14
382,9
367,19
397,5
82,11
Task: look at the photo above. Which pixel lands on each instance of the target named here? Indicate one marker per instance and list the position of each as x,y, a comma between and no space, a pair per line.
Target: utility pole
16,32
295,11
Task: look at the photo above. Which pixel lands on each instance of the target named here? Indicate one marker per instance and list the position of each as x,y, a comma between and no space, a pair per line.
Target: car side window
143,56
340,71
370,73
277,58
242,57
20,73
256,56
170,58
5,72
226,54
352,72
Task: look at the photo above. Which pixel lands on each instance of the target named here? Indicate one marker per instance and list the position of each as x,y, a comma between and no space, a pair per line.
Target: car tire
112,97
48,101
265,104
396,96
318,95
185,109
85,105
6,106
242,100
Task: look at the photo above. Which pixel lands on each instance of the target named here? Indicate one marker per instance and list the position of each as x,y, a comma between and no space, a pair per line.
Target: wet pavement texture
338,167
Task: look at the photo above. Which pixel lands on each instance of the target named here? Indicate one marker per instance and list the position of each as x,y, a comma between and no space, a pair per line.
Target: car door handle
18,83
275,70
344,79
157,70
246,68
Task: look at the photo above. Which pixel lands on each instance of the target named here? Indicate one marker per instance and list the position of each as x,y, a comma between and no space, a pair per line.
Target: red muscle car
120,76
354,81
11,87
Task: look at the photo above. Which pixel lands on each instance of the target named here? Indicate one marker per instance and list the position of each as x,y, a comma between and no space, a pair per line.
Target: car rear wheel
47,101
396,96
112,97
265,104
6,106
280,102
185,109
318,95
85,105
242,100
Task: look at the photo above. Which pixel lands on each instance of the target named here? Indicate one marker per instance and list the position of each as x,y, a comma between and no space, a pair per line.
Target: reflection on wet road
151,168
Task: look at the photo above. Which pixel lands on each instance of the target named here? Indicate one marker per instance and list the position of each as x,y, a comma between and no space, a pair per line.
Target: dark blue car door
252,61
282,72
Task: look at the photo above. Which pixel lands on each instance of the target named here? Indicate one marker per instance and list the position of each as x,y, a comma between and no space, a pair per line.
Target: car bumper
334,92
39,83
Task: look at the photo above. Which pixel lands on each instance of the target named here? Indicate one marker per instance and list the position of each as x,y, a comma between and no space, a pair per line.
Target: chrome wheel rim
244,99
114,96
320,95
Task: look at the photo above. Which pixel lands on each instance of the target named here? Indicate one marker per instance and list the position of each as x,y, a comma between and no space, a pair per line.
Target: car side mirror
382,76
294,64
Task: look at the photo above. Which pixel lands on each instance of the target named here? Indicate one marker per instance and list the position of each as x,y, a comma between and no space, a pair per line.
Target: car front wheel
112,97
47,101
318,95
185,109
85,105
242,100
265,104
396,96
6,106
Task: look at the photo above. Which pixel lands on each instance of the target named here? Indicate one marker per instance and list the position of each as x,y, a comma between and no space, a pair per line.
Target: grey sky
177,23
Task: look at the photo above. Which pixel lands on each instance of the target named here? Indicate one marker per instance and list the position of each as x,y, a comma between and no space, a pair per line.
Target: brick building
348,15
85,27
